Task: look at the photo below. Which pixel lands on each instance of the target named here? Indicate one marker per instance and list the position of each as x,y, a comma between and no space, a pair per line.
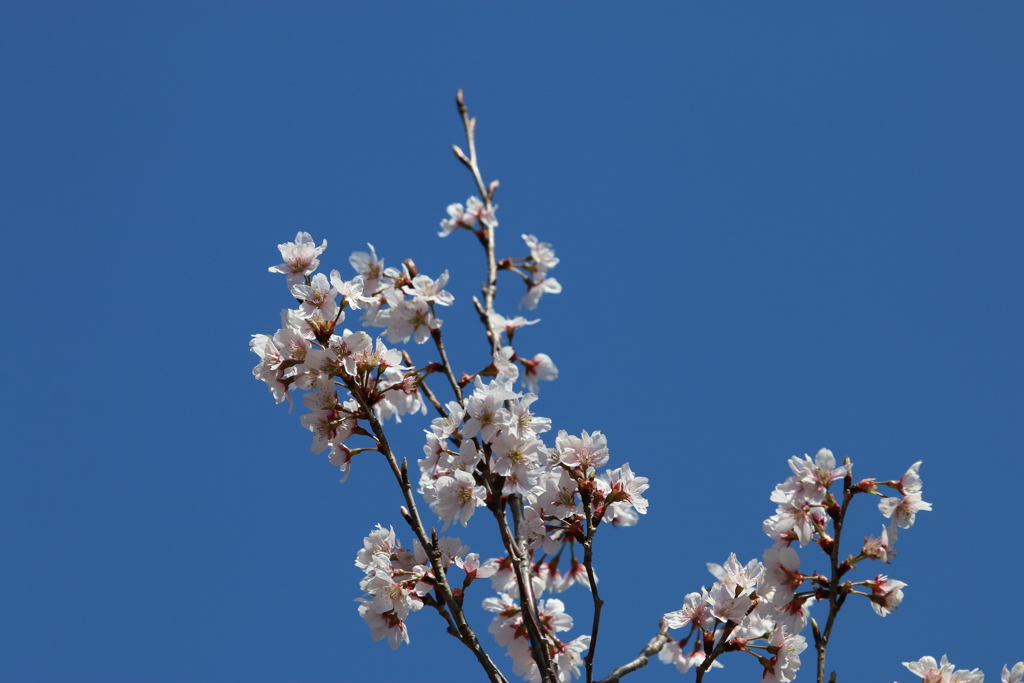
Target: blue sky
781,227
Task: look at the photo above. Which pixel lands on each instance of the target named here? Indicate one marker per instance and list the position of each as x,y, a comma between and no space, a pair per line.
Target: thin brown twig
424,388
835,599
588,563
652,648
487,196
436,336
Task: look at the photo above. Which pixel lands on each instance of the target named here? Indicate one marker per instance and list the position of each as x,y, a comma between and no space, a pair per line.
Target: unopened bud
864,486
736,644
826,543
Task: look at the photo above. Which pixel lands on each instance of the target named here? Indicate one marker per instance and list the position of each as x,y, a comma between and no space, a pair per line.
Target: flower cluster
398,582
745,605
486,450
507,627
770,601
943,671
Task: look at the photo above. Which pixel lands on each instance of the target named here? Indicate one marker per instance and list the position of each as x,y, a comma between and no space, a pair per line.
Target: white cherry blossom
300,258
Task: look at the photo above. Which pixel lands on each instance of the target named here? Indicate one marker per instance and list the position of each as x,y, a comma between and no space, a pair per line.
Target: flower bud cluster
771,601
744,606
398,582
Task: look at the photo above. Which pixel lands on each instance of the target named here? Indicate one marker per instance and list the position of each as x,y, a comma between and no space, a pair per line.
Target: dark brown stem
436,336
835,599
490,289
528,602
710,657
425,389
588,563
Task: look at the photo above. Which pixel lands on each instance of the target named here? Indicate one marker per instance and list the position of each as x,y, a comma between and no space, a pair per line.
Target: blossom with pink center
369,267
726,605
736,576
522,422
783,667
389,595
812,479
500,323
328,427
794,519
485,408
684,661
384,625
881,548
300,258
538,287
782,571
794,615
628,488
503,362
270,369
431,291
318,298
557,494
696,610
931,671
1015,675
518,460
380,540
586,451
542,253
351,291
910,482
903,512
459,217
886,594
456,497
538,369
410,319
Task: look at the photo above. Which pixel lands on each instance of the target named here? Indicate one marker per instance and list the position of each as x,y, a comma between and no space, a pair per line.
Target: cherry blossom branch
487,196
424,388
588,563
436,336
727,630
467,635
512,541
652,648
836,595
528,602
